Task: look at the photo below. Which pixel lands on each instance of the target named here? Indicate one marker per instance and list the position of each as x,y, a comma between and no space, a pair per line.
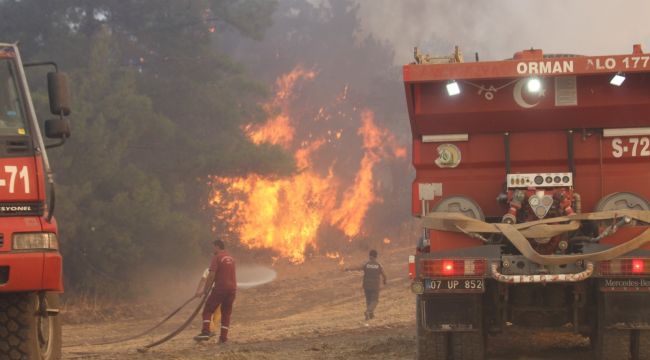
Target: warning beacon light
617,79
453,88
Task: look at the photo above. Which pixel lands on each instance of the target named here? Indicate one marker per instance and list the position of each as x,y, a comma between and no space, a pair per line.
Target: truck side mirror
57,87
57,128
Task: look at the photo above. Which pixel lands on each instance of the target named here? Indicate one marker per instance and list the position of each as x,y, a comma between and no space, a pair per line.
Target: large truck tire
468,345
26,331
430,345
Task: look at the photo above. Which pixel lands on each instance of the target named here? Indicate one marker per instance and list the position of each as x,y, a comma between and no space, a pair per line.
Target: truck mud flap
451,312
625,310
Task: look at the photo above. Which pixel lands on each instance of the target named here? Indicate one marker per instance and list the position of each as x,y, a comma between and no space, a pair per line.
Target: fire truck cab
533,186
30,262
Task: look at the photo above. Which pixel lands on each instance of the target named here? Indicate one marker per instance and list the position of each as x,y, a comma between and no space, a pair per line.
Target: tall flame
278,129
358,198
285,214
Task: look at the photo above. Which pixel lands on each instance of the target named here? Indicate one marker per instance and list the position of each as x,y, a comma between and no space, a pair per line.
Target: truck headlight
34,241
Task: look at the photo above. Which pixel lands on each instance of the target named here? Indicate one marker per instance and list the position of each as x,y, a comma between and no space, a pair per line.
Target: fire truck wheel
612,344
468,345
430,345
27,332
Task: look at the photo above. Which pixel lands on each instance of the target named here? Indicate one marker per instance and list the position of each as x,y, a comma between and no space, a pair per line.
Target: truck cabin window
12,121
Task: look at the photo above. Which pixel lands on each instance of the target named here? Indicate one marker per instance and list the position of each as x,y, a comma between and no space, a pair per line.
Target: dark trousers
372,299
224,299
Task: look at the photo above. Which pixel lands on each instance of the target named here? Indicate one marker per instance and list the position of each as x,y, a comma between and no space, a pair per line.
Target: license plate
449,285
625,284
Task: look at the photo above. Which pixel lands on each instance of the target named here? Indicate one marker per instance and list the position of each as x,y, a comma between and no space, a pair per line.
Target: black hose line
133,337
178,330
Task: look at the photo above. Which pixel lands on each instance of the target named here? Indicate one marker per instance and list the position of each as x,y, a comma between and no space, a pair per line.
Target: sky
496,29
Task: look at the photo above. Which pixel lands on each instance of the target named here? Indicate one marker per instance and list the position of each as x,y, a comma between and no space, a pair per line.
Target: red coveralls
223,292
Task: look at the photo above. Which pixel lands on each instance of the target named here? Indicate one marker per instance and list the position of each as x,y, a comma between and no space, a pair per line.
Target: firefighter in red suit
222,285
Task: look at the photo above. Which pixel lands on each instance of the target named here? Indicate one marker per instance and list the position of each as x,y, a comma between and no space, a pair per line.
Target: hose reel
461,204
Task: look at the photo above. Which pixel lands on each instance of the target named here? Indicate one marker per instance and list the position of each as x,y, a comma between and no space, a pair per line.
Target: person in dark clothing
373,272
222,285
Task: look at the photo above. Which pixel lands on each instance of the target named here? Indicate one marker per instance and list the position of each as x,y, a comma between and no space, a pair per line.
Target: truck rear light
448,267
412,267
453,267
637,266
625,267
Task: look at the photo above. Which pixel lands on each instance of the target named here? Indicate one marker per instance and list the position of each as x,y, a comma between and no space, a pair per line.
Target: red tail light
637,266
453,267
448,268
412,267
625,267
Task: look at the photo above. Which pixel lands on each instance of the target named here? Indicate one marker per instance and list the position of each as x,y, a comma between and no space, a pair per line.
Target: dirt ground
311,311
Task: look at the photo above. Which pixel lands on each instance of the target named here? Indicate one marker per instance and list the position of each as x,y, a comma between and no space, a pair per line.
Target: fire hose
518,234
172,334
160,323
262,275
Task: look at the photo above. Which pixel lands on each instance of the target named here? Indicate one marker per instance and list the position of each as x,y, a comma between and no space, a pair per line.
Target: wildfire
278,129
357,199
285,214
332,255
336,256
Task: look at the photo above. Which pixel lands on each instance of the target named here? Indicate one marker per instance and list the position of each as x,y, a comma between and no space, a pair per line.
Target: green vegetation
157,107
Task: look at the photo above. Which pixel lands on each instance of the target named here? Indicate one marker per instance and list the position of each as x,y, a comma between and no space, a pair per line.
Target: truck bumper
31,271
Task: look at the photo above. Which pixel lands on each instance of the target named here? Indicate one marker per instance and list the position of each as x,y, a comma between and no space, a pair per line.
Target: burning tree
286,214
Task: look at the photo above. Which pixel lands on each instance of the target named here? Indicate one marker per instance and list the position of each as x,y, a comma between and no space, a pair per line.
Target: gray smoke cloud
497,28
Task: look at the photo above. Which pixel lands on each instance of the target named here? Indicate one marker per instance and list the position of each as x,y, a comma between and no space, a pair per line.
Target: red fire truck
30,262
533,186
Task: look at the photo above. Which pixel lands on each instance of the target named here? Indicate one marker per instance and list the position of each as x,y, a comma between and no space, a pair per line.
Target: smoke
351,81
356,47
496,29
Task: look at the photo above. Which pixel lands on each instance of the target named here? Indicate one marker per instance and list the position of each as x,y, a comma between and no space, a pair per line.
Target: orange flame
278,130
279,214
357,199
336,256
285,214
